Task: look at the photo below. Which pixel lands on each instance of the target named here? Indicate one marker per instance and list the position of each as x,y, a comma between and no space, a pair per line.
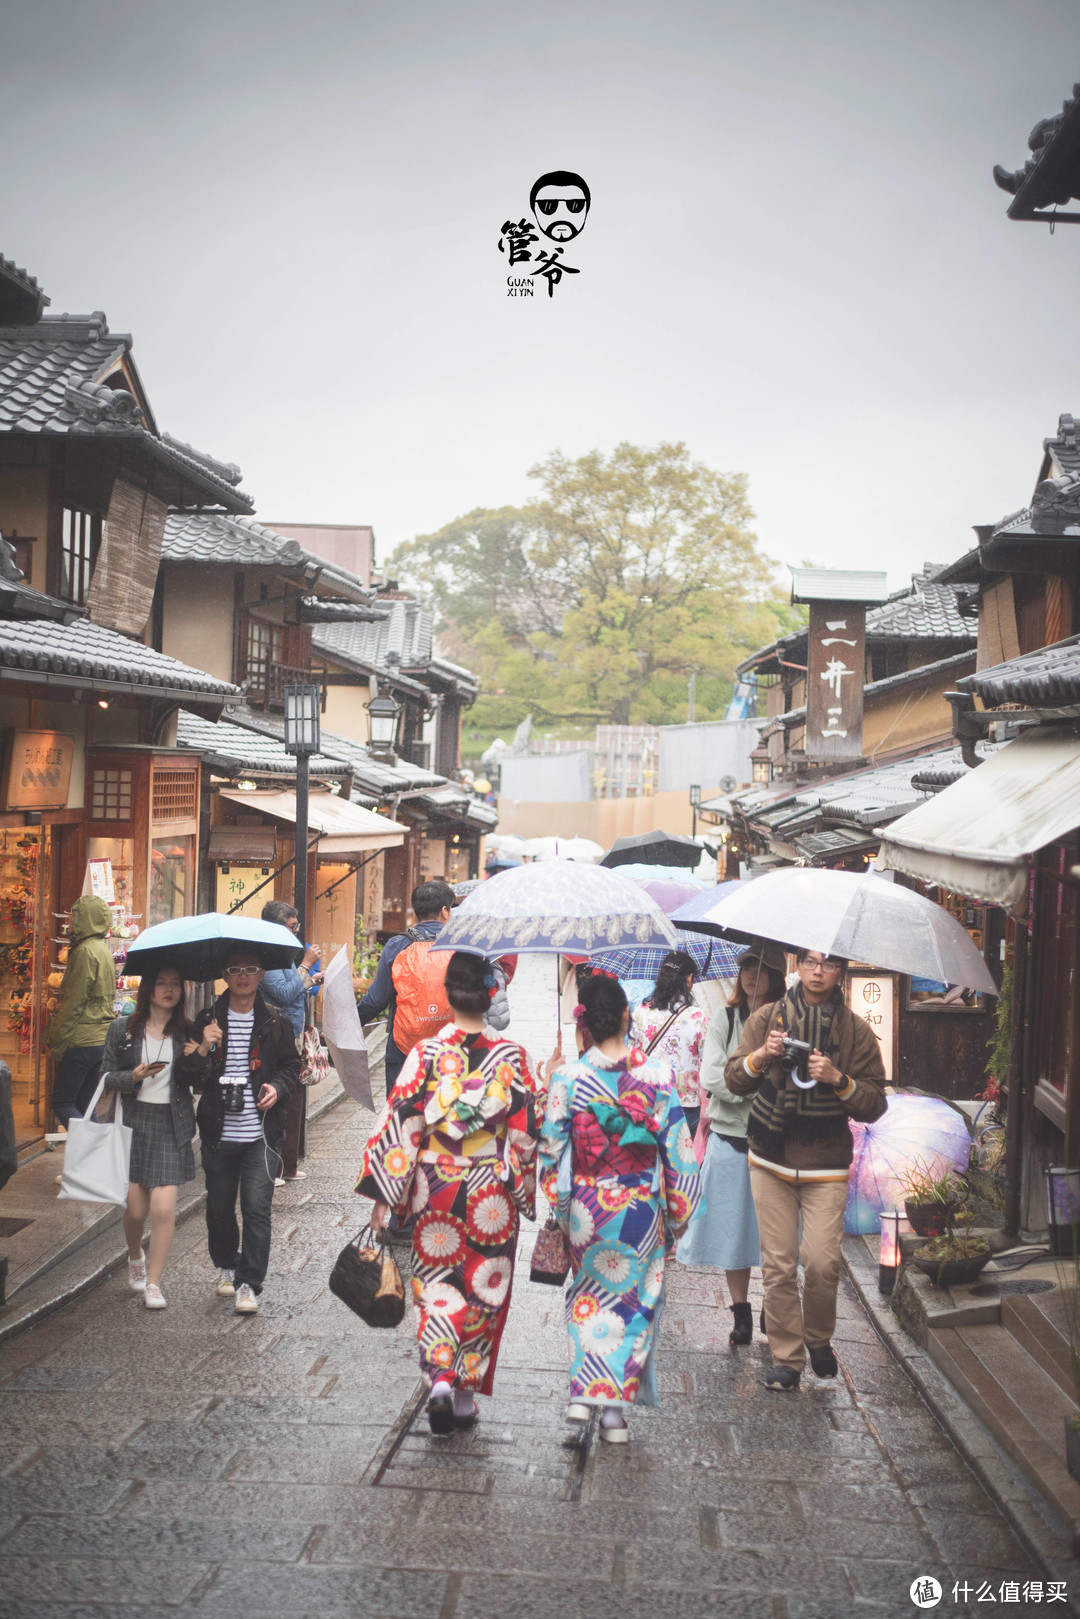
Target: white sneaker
246,1302
225,1286
137,1275
154,1298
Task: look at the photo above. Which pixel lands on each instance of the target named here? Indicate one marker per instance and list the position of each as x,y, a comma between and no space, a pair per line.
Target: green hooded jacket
89,988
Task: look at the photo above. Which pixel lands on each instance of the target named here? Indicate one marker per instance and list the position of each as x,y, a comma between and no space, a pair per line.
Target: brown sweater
853,1048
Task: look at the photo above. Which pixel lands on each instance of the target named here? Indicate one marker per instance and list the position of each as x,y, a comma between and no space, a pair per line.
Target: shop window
169,866
174,795
931,994
111,796
78,553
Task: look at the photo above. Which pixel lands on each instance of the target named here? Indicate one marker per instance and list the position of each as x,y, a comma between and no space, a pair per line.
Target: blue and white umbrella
197,946
715,958
556,908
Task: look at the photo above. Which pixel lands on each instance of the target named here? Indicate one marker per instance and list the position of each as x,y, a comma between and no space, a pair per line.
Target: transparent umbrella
555,908
861,917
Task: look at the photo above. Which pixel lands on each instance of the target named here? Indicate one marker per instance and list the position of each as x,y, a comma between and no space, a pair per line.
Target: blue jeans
75,1081
232,1167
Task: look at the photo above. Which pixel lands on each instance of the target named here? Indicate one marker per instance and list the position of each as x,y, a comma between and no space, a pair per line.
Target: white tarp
347,828
977,837
342,1032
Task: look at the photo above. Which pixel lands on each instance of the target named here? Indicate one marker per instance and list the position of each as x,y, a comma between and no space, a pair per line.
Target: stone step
1021,1403
1038,1325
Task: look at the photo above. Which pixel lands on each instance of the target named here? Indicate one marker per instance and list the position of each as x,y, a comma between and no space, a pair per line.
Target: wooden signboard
122,589
872,997
834,681
37,770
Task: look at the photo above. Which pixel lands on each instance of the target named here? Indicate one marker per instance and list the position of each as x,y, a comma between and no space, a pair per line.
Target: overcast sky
796,258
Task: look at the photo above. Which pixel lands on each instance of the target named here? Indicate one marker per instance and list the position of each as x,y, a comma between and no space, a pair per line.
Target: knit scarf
781,1110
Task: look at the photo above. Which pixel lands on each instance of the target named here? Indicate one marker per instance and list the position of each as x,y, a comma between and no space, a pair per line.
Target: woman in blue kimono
619,1161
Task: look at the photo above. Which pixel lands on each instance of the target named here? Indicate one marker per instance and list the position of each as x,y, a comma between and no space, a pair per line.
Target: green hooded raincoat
89,988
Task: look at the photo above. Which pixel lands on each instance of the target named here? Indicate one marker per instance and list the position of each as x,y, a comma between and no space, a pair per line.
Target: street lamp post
695,800
302,739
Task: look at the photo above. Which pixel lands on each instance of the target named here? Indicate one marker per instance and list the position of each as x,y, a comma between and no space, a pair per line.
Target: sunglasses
548,205
241,972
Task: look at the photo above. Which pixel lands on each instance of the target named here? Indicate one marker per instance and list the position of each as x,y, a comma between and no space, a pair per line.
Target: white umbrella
562,849
862,918
549,909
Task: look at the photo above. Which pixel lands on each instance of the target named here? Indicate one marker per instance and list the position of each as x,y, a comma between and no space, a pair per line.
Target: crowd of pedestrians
665,1135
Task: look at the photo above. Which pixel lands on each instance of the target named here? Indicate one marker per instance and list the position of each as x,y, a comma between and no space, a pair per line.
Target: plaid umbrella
713,958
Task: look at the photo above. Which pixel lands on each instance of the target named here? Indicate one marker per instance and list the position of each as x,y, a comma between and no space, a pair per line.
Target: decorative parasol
916,1130
556,908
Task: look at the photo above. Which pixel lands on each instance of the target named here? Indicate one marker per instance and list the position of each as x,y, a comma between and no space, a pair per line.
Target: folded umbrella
199,945
861,917
654,848
555,908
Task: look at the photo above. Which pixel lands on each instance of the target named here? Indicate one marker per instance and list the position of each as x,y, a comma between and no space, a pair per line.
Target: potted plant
953,1259
930,1199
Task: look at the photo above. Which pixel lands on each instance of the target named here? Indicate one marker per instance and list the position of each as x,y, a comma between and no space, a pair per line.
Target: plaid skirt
156,1160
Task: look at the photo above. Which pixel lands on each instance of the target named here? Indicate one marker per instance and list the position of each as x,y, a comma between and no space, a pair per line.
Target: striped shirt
246,1126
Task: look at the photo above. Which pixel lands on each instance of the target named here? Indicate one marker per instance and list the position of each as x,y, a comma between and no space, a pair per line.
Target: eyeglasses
826,966
241,972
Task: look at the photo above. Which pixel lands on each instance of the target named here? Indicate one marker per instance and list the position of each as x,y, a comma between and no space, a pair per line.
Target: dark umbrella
197,946
655,849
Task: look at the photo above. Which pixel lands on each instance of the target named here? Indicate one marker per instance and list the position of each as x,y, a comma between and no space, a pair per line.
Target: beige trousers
795,1326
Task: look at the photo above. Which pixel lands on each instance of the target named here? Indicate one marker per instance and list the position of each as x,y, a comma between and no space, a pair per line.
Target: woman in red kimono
455,1147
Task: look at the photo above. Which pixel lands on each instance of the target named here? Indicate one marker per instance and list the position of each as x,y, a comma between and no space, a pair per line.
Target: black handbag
366,1278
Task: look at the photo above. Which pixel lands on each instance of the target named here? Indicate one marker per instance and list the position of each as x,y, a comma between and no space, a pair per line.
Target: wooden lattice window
174,796
111,795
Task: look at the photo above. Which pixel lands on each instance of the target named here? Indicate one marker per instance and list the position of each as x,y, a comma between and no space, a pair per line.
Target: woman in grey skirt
140,1061
725,1233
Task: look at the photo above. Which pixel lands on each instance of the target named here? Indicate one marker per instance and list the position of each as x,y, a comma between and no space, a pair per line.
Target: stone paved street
201,1463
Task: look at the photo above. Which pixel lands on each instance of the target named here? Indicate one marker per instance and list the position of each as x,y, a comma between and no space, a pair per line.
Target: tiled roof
1049,678
1054,513
1051,176
21,299
383,779
926,611
50,382
211,537
89,655
1064,446
399,642
235,749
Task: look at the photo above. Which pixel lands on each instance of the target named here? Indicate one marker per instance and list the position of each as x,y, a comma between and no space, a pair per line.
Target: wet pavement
199,1463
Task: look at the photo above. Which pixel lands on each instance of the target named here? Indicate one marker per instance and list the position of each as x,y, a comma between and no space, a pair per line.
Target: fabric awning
255,843
978,836
347,828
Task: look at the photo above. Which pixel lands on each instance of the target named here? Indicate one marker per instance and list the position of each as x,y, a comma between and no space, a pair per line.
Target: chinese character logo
925,1591
560,203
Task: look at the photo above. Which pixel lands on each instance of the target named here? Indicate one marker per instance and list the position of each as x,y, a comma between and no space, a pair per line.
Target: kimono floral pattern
634,1188
455,1147
681,1048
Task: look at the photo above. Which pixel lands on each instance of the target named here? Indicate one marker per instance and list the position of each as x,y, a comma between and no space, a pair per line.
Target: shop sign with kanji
37,770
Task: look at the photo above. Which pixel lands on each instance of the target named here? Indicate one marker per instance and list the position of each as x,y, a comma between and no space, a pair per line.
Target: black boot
743,1330
762,1328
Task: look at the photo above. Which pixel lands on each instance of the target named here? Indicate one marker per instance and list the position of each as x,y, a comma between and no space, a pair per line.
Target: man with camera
811,1065
243,1058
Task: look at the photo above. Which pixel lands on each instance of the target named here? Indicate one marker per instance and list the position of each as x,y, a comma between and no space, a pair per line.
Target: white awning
347,828
978,836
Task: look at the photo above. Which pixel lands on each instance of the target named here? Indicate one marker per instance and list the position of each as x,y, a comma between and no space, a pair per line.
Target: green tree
599,598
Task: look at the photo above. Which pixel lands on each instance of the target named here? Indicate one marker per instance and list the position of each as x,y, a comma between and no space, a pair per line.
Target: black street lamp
383,721
302,739
695,800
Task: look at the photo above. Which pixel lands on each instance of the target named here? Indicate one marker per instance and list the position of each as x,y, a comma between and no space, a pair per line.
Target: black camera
796,1051
233,1095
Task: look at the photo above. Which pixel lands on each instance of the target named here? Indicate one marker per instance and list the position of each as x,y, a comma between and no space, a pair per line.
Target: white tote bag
97,1158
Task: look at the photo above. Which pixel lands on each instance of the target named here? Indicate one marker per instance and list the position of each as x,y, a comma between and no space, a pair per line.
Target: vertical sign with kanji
834,680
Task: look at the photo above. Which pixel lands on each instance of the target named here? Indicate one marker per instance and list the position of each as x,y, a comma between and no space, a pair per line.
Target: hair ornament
578,1014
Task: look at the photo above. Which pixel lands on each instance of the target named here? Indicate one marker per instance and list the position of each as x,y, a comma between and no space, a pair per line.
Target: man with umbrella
243,1057
811,1065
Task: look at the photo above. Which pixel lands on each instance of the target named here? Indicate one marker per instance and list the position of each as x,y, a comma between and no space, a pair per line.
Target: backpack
421,1007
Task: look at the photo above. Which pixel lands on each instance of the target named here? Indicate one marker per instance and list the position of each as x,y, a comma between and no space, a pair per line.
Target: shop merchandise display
24,963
